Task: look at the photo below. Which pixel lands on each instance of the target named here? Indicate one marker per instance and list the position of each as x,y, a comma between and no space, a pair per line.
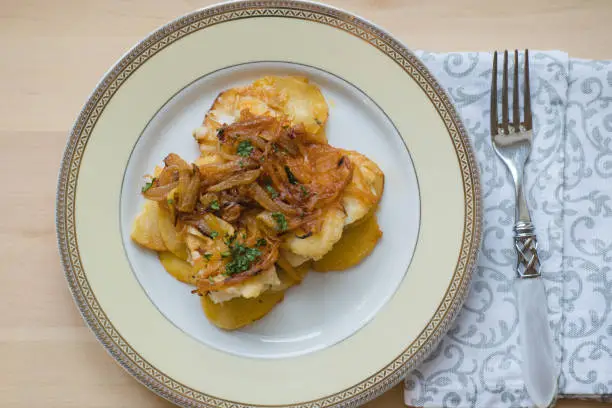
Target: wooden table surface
54,52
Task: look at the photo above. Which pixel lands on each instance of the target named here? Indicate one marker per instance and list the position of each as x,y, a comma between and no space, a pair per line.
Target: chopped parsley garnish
261,242
318,121
242,258
272,191
148,185
290,175
281,221
207,256
214,234
305,192
211,280
225,254
170,201
228,239
214,205
244,148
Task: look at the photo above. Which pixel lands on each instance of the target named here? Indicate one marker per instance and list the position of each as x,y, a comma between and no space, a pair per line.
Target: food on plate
267,199
356,243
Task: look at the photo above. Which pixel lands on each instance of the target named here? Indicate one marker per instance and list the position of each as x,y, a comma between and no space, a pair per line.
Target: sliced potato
177,267
293,97
172,239
294,259
356,244
293,275
145,230
320,243
363,193
303,102
239,312
250,288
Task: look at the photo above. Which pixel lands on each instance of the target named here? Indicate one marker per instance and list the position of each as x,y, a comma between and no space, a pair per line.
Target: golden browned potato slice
356,244
293,259
239,312
177,267
145,230
293,97
251,288
302,102
363,193
317,245
226,110
292,275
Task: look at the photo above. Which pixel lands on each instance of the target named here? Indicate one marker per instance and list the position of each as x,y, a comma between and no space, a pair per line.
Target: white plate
338,339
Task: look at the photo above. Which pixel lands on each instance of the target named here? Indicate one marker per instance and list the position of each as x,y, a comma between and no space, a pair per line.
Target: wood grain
54,52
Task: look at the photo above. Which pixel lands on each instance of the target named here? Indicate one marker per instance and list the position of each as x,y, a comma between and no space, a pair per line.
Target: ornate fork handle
526,245
513,151
525,241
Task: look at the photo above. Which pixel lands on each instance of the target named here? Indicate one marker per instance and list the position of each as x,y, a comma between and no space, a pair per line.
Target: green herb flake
207,256
290,175
228,239
318,121
211,280
170,201
305,192
272,191
214,205
244,148
261,242
148,185
214,234
225,254
242,258
281,221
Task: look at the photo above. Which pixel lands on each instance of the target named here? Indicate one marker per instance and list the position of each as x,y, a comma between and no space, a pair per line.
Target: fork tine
505,94
527,94
494,96
516,114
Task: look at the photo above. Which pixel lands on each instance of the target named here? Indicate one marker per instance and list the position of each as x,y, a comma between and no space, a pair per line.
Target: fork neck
521,213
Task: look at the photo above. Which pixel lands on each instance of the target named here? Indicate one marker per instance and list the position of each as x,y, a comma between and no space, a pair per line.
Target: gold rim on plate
83,294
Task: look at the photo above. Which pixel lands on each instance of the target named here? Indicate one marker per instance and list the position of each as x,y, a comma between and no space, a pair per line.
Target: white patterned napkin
569,185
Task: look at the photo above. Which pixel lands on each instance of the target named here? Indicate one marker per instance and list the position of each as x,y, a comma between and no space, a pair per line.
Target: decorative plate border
84,297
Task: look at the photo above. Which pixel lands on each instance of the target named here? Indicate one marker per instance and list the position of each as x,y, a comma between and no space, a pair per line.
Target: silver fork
512,143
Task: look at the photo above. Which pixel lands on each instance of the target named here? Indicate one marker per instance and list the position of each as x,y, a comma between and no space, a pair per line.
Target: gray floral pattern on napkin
587,295
478,364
